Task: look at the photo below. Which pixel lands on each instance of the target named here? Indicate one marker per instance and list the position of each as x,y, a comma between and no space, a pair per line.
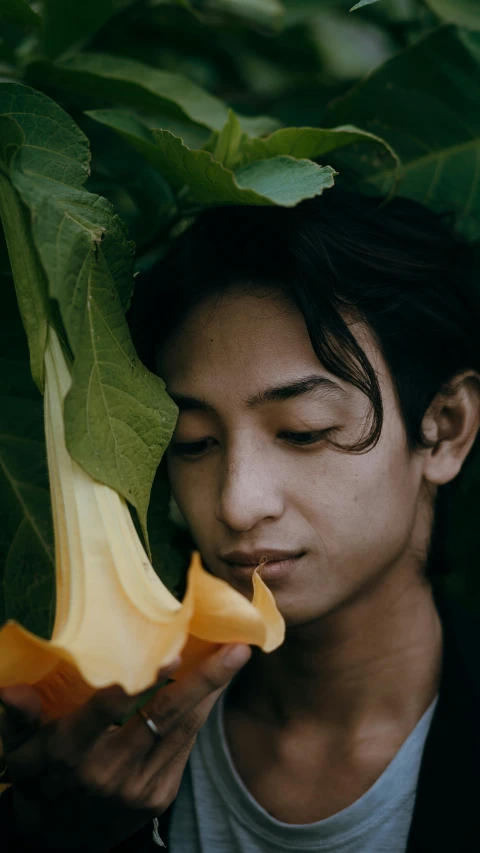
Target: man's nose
249,491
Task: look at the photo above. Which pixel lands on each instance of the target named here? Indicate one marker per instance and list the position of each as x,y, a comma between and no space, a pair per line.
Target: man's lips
272,570
253,558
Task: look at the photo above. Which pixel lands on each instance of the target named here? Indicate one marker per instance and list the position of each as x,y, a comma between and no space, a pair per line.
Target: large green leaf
66,24
132,83
313,142
139,194
19,12
266,13
424,102
349,46
118,416
49,151
465,13
302,11
194,135
30,280
26,537
279,180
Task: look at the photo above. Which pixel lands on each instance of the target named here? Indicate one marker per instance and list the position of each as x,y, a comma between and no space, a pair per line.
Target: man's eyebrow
316,382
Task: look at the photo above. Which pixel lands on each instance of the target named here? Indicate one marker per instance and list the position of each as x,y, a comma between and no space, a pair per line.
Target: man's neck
372,662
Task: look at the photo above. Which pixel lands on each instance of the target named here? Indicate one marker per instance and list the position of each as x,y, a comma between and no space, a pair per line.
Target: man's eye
190,448
303,439
197,448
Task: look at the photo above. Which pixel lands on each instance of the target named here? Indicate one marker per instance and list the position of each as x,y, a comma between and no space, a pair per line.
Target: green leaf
30,280
27,575
19,12
42,151
132,83
349,46
424,102
118,417
265,13
312,143
363,3
54,152
193,135
226,146
80,238
279,180
283,180
67,24
139,194
465,13
70,25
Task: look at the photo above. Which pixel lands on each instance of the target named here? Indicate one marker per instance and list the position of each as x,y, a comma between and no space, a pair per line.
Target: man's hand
83,782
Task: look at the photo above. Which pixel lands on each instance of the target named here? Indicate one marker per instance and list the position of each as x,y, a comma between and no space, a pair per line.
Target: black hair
396,266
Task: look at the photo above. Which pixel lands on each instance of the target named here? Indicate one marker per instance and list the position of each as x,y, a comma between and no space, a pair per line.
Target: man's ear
451,423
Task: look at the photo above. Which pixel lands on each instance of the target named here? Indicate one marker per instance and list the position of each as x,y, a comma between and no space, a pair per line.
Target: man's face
247,483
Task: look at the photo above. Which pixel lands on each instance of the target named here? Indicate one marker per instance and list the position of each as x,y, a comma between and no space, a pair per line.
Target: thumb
21,716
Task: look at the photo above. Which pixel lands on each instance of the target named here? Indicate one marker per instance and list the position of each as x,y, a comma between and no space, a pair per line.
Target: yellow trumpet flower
115,621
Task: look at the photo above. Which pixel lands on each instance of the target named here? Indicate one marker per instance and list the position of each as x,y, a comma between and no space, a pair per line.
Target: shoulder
446,805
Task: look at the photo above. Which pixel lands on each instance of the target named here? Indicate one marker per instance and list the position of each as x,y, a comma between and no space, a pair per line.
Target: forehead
240,342
242,311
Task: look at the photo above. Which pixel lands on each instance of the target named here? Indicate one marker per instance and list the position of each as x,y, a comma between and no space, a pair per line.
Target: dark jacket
445,817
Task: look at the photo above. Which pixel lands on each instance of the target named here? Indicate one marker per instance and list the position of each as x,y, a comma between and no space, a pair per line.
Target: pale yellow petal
116,623
264,601
223,615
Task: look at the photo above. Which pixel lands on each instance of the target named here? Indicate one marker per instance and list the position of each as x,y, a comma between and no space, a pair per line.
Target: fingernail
235,656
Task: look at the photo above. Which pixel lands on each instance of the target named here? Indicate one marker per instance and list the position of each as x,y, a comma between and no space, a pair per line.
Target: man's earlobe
451,425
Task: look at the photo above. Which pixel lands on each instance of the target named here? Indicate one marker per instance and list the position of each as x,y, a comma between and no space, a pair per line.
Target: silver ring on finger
149,722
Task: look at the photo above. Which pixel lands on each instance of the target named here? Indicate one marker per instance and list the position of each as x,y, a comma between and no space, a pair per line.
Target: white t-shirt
215,813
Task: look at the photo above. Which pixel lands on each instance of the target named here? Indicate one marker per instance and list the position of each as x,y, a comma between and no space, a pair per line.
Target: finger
171,753
208,679
174,701
78,731
22,714
164,758
157,788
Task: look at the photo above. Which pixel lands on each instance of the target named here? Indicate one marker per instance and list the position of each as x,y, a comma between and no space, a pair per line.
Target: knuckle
163,709
91,780
213,677
133,794
212,680
103,780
